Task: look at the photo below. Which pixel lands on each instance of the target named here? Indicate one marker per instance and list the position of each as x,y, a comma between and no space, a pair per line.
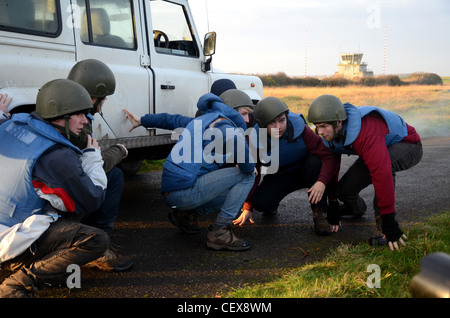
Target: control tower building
351,66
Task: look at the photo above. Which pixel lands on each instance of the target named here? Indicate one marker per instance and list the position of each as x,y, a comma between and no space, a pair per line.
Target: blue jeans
223,190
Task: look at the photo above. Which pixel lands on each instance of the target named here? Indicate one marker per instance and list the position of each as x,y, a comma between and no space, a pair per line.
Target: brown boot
377,237
224,238
18,285
112,261
321,226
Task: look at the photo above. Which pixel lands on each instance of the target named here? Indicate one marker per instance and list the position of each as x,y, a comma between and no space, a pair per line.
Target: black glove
334,213
390,227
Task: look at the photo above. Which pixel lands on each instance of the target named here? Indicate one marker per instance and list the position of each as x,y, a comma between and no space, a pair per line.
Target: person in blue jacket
45,180
4,102
209,169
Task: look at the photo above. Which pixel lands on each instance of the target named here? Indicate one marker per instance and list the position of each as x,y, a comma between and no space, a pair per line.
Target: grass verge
152,165
344,272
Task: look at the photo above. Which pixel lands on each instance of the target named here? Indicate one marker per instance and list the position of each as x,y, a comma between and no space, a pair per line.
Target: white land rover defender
152,47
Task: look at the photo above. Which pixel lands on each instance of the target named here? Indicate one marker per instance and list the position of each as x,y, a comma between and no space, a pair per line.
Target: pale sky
270,36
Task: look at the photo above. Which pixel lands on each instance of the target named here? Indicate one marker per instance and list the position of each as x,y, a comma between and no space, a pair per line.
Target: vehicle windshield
172,31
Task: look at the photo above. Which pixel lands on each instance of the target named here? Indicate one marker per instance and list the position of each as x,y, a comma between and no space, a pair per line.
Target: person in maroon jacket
385,144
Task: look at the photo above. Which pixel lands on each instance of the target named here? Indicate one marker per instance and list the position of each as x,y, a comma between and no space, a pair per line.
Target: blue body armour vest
352,126
291,147
192,165
23,140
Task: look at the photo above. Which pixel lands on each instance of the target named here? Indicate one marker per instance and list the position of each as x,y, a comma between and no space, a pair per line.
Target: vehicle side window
172,31
107,23
39,17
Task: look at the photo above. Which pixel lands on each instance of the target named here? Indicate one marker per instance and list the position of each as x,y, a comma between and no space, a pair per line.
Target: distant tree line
281,79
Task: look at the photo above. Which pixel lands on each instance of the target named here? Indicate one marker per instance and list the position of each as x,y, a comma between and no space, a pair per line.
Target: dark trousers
275,187
403,156
105,217
64,243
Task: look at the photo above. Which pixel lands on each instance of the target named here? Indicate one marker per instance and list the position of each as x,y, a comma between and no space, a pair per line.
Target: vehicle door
175,58
111,31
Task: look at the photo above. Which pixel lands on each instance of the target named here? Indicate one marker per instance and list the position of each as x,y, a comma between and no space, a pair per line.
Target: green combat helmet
236,98
62,98
95,76
98,79
268,109
325,109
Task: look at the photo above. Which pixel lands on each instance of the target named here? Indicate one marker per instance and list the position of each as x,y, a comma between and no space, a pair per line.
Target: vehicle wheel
130,168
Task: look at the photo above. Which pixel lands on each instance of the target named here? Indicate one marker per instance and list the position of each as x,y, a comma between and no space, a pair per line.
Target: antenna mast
306,51
207,15
384,49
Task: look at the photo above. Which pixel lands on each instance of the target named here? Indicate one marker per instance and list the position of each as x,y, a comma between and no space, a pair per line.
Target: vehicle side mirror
209,44
209,48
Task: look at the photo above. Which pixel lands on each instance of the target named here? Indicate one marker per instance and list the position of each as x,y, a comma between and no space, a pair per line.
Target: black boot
185,220
321,225
356,208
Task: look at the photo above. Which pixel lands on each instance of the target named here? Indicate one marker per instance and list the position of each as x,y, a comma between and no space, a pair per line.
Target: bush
425,79
306,81
368,81
390,80
333,81
278,79
281,79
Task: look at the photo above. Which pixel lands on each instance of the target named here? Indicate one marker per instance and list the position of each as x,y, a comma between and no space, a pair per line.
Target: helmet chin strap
66,127
337,133
97,102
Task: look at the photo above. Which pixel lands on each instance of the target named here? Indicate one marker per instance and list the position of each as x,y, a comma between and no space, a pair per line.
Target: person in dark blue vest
209,169
385,144
303,162
45,180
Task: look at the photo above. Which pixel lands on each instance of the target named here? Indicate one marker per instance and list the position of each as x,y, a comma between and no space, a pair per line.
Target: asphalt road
170,264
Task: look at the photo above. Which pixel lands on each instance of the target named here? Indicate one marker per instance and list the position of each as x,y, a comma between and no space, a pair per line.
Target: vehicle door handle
167,86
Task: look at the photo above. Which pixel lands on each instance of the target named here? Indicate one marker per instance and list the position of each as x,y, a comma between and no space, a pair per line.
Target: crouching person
303,162
45,177
98,79
384,143
203,173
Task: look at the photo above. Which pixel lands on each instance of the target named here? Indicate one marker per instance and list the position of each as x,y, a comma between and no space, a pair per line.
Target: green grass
343,273
152,165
